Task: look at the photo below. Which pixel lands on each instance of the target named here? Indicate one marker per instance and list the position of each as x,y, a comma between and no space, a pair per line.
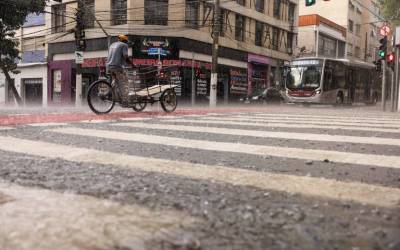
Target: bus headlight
318,92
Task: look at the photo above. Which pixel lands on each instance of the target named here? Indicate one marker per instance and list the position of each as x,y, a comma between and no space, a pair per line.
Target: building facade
257,36
31,82
321,37
361,18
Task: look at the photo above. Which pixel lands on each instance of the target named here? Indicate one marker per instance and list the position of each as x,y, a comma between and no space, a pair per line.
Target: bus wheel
339,99
375,99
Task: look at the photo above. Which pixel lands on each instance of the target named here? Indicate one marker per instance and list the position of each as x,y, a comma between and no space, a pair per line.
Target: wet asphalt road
208,213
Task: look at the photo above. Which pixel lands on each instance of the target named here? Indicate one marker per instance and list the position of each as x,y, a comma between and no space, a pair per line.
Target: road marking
268,134
135,119
227,121
295,153
47,124
278,120
337,119
71,221
6,128
308,186
95,121
338,116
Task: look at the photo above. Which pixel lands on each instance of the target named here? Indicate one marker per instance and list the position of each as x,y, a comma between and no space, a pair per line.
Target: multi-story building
361,18
257,36
321,37
31,82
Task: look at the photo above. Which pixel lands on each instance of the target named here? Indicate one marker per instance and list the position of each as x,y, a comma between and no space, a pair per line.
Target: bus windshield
304,77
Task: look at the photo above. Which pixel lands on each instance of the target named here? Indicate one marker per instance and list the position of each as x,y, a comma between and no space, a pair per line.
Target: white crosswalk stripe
268,124
268,134
296,153
371,121
55,218
144,177
305,121
329,117
308,186
5,128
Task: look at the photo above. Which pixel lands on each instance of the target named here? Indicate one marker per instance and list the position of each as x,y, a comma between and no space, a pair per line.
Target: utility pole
87,10
215,49
80,47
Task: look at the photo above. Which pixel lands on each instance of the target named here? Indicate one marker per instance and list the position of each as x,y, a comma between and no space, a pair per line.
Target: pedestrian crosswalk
221,133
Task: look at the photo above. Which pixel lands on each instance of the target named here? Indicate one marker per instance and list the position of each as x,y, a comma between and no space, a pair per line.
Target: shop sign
94,62
156,47
202,84
157,51
239,82
167,62
176,79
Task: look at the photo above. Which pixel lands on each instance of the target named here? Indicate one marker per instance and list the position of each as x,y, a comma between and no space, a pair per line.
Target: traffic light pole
384,85
397,81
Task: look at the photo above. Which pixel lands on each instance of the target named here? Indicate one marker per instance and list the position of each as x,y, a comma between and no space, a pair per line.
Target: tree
391,10
12,16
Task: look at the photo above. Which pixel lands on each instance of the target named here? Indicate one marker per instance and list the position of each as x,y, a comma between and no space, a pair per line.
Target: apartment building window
192,13
33,44
357,52
58,18
88,15
275,38
240,27
327,46
260,5
341,49
373,30
349,49
291,12
358,29
289,46
351,24
241,2
119,12
259,33
277,8
156,12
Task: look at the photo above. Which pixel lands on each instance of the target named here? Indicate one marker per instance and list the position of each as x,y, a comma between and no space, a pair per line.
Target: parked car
268,95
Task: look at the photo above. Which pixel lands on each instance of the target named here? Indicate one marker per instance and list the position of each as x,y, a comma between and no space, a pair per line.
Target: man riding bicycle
117,59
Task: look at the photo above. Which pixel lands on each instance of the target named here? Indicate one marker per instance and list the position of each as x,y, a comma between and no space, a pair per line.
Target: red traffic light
390,57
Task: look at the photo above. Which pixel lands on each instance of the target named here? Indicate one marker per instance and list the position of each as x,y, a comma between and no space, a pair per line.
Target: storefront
260,70
189,70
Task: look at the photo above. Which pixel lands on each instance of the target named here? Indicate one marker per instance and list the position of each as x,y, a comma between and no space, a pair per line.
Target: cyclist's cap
123,38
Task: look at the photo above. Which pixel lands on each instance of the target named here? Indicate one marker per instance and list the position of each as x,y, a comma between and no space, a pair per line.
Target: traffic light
390,59
310,2
383,48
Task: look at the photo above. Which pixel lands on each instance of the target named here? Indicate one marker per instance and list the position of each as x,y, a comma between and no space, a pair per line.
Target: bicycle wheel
139,106
168,100
100,97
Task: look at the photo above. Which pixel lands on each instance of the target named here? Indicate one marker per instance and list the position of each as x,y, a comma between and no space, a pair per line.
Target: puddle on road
42,219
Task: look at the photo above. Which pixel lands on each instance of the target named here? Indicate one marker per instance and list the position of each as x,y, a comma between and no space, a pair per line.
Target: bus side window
339,75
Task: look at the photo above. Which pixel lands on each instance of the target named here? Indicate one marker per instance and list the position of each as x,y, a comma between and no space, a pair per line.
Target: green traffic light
310,2
381,54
